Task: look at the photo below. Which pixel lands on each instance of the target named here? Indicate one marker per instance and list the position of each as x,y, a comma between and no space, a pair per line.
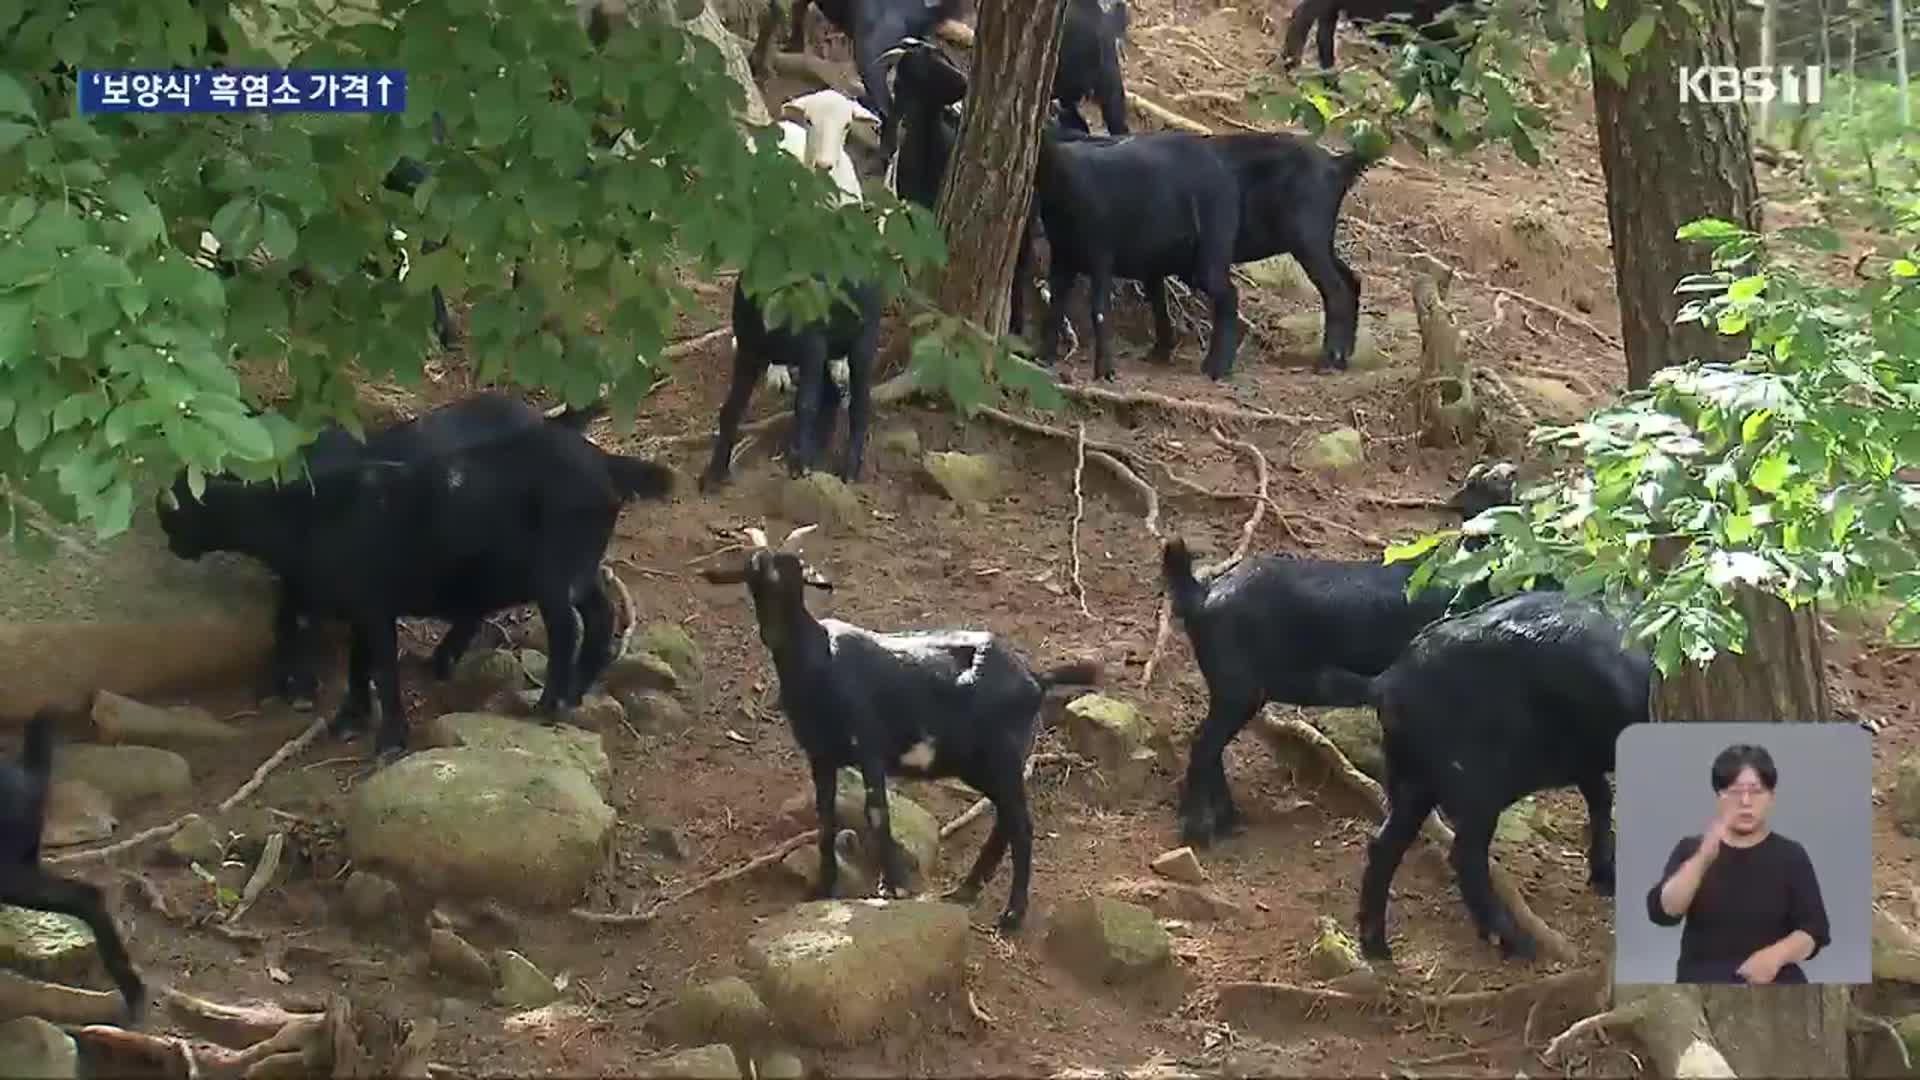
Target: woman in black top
1748,895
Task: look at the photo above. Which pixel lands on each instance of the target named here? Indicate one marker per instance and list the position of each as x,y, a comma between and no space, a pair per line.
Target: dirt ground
919,561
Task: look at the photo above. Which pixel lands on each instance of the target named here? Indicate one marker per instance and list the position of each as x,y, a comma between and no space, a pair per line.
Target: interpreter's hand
1711,839
1761,968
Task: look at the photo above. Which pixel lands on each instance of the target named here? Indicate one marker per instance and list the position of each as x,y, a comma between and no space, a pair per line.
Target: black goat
874,26
521,517
336,451
1422,17
929,704
1294,631
851,330
25,883
1525,694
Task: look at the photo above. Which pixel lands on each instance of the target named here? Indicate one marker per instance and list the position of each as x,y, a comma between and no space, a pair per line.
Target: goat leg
32,887
746,372
596,637
563,650
1407,810
293,680
893,865
458,639
383,643
357,703
1598,794
809,372
1060,284
1102,333
1013,807
826,792
1162,322
860,394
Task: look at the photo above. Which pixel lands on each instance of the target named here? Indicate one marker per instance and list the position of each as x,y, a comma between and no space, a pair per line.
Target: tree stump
1444,403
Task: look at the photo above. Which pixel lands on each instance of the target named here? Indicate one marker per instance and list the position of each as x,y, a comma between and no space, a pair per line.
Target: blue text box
216,90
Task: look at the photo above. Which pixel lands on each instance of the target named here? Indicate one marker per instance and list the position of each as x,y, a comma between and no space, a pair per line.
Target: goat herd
487,503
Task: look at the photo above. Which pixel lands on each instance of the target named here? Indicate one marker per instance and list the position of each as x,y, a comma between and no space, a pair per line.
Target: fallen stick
24,996
632,613
1165,115
1403,502
161,832
1108,455
641,918
1181,405
1267,995
1161,634
1079,510
1552,943
262,876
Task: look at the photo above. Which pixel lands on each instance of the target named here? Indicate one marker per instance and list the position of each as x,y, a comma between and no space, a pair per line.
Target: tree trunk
698,18
1667,163
990,184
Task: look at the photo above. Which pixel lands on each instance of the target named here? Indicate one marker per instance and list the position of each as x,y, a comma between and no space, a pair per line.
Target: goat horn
759,538
1479,470
795,536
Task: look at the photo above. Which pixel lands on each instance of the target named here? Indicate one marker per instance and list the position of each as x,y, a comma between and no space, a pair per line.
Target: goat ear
798,534
759,538
863,114
717,575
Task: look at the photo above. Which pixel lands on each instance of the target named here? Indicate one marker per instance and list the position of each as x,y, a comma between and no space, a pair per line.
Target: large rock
57,948
1111,941
127,616
1116,736
1282,274
1356,732
1332,953
522,985
488,822
197,841
32,1049
118,719
124,774
77,813
914,829
562,744
836,973
723,1011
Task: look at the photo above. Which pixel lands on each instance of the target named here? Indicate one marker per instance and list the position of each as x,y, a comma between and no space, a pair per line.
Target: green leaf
1747,288
1639,33
277,234
1770,472
12,134
114,511
16,331
1709,229
1565,58
1412,549
246,436
144,223
30,429
14,100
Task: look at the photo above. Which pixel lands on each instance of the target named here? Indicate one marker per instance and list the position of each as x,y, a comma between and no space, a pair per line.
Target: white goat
813,129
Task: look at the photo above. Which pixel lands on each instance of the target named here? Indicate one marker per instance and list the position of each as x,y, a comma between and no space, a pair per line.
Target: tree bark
983,202
1667,163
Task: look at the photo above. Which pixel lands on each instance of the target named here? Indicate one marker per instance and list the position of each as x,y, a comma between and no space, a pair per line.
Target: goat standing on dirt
924,704
1423,17
25,883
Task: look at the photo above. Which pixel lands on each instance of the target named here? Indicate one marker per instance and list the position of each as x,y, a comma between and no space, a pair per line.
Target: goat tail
1074,673
1184,591
639,478
37,757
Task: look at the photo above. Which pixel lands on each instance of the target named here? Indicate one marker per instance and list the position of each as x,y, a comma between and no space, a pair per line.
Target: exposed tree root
237,1026
24,996
641,918
1079,510
1402,502
1294,731
161,832
1211,410
1108,455
1284,998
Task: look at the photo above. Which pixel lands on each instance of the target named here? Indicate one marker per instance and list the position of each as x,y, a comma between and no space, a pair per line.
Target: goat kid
24,882
523,516
874,26
848,336
926,705
1292,630
1525,694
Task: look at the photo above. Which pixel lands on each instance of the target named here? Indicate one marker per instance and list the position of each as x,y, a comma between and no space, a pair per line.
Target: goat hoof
1602,886
1519,946
1375,948
1008,924
711,482
388,754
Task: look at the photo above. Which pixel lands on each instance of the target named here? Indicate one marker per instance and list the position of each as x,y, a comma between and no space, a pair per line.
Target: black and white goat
921,704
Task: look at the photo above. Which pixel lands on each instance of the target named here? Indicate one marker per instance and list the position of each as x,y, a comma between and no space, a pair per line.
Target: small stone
1356,731
1515,825
651,712
967,479
723,1011
1905,796
903,441
1335,450
1299,333
1560,401
667,841
779,1065
1180,864
837,973
599,712
522,985
33,1049
914,829
534,663
197,841
451,955
56,948
1115,735
1333,953
1281,274
818,498
369,898
637,672
714,1062
1110,941
672,644
485,672
853,878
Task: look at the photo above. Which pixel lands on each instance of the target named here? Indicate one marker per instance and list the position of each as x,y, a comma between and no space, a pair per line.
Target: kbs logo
1725,84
